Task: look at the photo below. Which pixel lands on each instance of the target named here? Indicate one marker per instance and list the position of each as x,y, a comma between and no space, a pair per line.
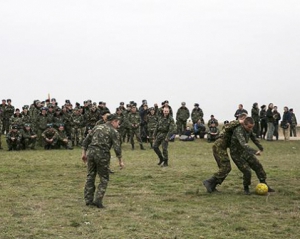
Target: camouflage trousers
76,136
40,138
245,162
97,164
160,140
181,126
135,132
13,144
222,159
28,143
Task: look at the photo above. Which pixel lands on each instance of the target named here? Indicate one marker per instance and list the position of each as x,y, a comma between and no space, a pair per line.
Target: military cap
128,105
182,103
131,102
4,100
50,106
100,102
14,127
67,101
25,107
291,109
166,101
133,105
8,100
77,104
47,100
112,117
17,109
27,125
226,122
58,109
44,108
144,101
263,106
49,125
121,103
53,99
212,116
151,108
196,104
61,125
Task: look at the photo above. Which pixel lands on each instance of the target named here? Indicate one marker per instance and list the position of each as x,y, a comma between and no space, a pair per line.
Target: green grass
42,196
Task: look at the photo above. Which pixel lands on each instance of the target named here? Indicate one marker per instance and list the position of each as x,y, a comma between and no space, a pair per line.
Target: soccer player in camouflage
28,137
134,120
162,133
50,137
96,153
221,156
182,116
244,156
197,114
13,138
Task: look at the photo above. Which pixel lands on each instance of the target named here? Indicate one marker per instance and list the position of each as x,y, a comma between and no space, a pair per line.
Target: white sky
215,53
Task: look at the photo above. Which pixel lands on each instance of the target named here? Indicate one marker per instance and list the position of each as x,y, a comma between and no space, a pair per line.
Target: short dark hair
249,120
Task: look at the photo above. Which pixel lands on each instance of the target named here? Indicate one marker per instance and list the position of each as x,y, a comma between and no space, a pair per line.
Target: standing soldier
152,120
77,127
1,125
255,117
162,133
50,113
34,111
28,137
126,132
92,116
2,109
41,123
134,120
197,114
96,153
67,118
8,113
293,128
25,115
13,138
182,116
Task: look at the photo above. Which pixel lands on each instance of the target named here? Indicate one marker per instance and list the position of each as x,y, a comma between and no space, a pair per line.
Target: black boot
142,147
161,160
210,184
132,146
165,164
270,190
246,190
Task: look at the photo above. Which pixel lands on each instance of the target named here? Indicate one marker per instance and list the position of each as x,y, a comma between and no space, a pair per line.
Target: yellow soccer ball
261,189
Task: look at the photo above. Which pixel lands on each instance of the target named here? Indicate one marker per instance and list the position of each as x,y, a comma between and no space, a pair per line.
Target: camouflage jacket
152,121
182,114
77,121
8,111
16,120
50,133
197,114
17,135
134,120
26,118
62,135
42,121
294,119
240,139
165,125
101,139
92,117
26,134
255,114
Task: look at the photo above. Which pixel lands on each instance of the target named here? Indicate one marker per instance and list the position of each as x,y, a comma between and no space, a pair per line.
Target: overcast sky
215,53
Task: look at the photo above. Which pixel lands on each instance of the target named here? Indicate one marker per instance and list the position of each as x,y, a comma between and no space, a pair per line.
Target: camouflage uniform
50,134
91,117
255,117
41,125
13,139
26,119
8,113
151,125
212,133
126,125
163,131
28,138
63,139
77,128
293,127
182,116
197,114
1,125
16,119
134,121
2,109
244,156
98,144
67,121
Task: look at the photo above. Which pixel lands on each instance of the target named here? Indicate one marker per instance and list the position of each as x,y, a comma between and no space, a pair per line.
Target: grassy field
42,196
